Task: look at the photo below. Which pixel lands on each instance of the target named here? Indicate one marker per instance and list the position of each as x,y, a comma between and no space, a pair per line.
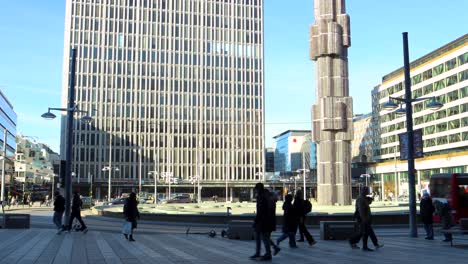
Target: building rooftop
292,131
461,41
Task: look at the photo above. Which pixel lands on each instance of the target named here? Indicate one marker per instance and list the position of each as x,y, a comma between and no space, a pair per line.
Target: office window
463,75
441,127
442,140
462,59
438,69
451,80
451,64
441,114
454,124
454,138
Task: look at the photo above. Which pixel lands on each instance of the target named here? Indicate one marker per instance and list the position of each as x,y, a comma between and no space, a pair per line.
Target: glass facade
447,81
290,148
8,121
177,87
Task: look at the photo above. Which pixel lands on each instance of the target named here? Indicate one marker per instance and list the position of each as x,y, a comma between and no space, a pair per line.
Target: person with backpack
303,207
290,222
76,213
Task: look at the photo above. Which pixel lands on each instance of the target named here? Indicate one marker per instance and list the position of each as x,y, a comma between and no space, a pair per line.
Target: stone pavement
44,246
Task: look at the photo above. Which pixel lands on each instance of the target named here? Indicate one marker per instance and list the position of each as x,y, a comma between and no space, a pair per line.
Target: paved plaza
42,245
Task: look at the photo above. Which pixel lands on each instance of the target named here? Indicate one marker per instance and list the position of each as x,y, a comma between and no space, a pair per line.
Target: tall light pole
365,176
408,100
71,110
109,168
155,173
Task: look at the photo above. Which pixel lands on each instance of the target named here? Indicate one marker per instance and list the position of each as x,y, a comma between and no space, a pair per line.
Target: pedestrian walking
262,225
303,207
444,211
290,222
364,218
76,213
427,209
59,208
272,199
131,214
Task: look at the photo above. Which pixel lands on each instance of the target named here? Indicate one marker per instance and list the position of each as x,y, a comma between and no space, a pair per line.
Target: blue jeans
262,236
292,238
429,230
58,219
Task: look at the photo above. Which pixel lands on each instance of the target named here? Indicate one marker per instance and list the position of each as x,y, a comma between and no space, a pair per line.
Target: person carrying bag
131,214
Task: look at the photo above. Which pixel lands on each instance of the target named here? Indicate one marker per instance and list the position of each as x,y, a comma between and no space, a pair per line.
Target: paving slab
43,246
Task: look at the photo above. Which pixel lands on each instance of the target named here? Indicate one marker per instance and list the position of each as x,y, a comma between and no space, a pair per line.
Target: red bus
452,189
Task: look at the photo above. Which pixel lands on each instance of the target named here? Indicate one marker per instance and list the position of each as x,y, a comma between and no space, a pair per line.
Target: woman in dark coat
427,209
131,213
290,222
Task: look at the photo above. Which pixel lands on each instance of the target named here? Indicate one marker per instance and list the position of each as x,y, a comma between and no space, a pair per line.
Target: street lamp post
109,168
408,100
71,110
365,176
155,173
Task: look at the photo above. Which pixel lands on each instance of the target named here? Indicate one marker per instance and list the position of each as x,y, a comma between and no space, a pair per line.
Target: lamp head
400,111
86,119
434,105
389,105
48,115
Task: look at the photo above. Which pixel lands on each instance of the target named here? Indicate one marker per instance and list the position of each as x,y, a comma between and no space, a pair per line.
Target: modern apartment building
175,89
442,74
8,119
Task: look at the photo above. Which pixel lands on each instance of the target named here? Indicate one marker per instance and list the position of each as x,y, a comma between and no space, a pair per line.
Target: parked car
87,202
118,201
179,199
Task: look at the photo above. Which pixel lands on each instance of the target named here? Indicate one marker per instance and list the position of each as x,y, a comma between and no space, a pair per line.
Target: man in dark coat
76,213
262,224
364,217
59,208
131,213
299,207
427,209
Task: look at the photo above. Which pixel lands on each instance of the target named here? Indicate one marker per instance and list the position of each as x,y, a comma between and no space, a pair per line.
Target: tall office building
8,121
175,87
442,74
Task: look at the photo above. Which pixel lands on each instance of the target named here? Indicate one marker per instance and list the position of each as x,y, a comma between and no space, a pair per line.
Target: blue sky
31,50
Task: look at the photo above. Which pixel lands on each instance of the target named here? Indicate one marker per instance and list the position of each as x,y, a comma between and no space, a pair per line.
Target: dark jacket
76,204
59,204
290,218
272,199
130,210
426,209
363,208
299,206
262,221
